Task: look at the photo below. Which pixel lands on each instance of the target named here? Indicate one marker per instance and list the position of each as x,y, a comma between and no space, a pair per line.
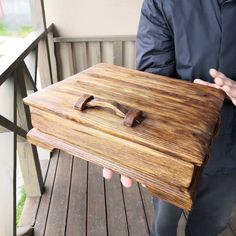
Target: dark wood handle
131,116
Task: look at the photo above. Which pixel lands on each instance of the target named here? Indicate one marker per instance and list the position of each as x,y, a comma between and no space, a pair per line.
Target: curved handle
131,116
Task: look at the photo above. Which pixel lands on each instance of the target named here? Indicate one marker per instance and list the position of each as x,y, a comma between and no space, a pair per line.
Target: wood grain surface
161,152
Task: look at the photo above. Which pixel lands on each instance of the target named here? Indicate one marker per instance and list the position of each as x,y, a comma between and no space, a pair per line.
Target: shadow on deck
78,201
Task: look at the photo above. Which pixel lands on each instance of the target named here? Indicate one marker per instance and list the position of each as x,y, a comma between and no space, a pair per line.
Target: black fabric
210,213
184,39
221,1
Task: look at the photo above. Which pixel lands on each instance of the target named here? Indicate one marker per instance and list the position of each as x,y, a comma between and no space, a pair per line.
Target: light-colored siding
75,18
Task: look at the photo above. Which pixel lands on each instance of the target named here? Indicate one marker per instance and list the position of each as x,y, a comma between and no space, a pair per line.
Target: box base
182,198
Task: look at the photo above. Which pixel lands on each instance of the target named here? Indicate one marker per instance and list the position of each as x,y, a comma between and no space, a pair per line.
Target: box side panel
151,163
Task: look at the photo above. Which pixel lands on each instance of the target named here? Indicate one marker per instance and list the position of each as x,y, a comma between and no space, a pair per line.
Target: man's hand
127,182
221,82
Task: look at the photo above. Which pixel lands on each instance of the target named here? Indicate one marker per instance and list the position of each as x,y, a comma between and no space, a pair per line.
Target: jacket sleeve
154,42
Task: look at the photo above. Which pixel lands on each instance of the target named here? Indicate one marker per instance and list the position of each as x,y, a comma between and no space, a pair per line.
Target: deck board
137,221
146,197
116,217
96,218
41,217
227,232
77,212
78,202
32,203
57,215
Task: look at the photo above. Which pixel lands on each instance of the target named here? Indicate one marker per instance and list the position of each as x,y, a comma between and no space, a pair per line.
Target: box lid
179,117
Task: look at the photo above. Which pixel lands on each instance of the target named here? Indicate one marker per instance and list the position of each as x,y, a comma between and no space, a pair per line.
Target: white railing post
7,161
44,64
15,81
6,182
52,57
28,155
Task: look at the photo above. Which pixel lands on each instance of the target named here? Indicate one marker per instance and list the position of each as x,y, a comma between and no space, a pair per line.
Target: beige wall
93,17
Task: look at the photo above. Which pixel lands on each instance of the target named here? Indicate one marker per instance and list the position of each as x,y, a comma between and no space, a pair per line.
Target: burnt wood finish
163,152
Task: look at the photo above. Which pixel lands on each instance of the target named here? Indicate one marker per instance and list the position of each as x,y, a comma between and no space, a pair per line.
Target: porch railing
76,54
19,75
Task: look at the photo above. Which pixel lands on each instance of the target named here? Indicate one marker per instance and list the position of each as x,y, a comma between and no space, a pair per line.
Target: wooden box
151,128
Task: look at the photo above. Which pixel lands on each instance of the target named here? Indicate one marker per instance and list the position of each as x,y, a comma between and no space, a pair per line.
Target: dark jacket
184,39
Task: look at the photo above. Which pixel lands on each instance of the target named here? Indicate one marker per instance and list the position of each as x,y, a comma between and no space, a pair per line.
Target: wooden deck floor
78,202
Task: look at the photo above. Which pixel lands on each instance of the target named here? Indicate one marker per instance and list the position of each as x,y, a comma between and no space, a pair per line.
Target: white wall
93,17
